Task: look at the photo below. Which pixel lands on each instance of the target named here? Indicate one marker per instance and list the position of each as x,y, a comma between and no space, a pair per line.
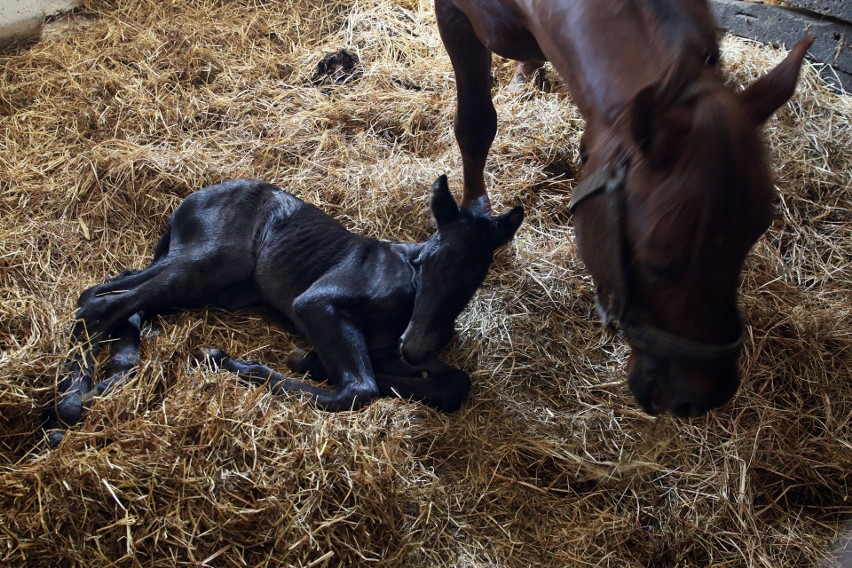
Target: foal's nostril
687,410
408,356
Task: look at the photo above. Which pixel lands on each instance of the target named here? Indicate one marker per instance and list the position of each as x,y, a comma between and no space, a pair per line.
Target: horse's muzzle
660,385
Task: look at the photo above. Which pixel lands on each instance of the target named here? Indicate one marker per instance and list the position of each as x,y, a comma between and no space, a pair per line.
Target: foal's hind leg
172,282
476,119
123,360
123,357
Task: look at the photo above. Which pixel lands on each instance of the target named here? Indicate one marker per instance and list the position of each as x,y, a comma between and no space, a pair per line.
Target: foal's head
688,192
451,267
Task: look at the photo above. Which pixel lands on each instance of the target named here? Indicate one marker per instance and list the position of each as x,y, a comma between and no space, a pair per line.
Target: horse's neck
608,50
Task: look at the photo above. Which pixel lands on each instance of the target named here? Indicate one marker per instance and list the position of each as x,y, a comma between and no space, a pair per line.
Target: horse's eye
660,272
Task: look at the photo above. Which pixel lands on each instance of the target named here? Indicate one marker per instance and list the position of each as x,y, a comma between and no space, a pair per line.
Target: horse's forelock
710,184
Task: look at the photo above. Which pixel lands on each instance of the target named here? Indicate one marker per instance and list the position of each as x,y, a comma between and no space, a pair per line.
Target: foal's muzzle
412,352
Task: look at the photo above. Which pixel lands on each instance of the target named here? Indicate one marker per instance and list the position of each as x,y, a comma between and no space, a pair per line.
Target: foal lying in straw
375,311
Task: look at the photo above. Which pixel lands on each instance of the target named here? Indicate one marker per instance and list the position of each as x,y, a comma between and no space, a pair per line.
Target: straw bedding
108,123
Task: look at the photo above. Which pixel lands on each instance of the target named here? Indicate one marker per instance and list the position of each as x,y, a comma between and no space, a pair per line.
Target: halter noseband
614,309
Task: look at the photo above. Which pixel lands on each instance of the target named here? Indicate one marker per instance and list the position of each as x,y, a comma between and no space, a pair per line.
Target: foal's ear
767,94
444,207
506,225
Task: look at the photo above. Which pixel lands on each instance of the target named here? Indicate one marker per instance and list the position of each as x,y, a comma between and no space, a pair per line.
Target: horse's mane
686,24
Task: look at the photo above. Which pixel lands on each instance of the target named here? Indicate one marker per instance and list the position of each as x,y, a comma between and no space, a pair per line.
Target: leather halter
615,308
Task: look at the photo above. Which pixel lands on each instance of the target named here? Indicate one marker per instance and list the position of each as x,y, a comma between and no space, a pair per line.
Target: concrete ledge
21,20
837,9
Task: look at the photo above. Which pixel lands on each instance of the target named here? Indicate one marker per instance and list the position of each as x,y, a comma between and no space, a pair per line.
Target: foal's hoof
69,410
212,357
301,361
52,427
55,438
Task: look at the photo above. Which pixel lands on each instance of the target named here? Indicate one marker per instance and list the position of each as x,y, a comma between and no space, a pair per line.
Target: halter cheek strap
608,177
614,308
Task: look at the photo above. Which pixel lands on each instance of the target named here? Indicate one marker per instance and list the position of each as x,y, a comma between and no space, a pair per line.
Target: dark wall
774,24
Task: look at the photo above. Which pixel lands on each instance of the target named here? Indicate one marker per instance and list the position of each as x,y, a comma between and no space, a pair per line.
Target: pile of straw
106,124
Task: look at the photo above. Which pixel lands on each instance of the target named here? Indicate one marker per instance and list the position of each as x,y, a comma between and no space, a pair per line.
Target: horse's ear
444,207
657,128
506,225
767,94
657,122
644,118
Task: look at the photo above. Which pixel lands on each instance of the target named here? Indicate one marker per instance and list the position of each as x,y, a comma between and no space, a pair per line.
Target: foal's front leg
353,389
432,382
342,352
341,345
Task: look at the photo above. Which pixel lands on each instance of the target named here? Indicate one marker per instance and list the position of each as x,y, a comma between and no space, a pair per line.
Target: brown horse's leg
476,119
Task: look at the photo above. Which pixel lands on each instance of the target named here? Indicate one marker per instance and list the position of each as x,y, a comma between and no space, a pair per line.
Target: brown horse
675,189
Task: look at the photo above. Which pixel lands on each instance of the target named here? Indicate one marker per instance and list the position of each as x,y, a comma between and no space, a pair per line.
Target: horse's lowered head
451,266
677,191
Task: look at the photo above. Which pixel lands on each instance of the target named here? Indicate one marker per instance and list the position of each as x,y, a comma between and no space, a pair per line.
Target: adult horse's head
451,266
676,192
